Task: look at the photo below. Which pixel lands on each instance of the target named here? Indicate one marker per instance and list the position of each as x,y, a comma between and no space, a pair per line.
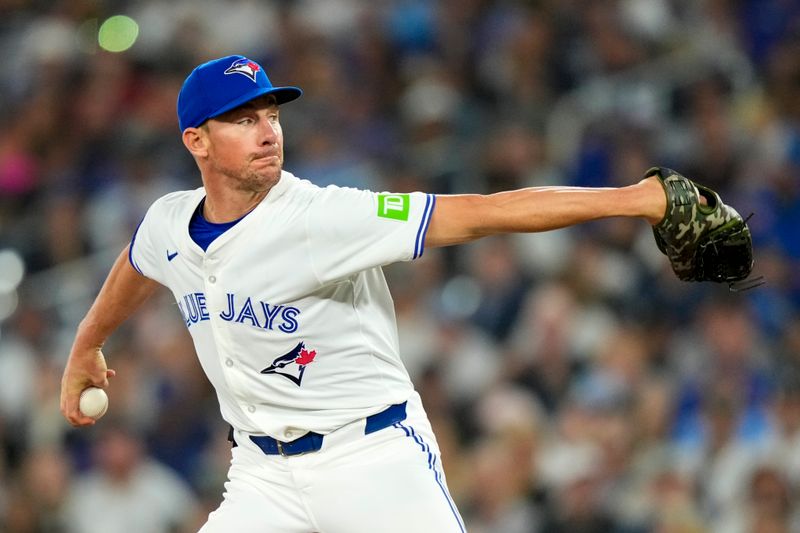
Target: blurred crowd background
574,384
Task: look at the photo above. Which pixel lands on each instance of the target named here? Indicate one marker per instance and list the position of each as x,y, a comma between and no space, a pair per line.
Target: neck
226,205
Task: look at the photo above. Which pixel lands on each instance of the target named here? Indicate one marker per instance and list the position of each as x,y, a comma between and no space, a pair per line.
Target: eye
245,121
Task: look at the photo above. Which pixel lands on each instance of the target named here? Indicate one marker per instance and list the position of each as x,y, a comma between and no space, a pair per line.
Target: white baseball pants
390,481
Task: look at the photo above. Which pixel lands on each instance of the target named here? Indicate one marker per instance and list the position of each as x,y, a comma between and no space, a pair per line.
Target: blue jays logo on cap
213,89
244,67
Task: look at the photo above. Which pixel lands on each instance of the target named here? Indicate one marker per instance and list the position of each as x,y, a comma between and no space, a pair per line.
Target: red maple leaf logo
306,357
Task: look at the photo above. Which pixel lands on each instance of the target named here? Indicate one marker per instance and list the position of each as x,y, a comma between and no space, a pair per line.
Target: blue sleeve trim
130,248
422,232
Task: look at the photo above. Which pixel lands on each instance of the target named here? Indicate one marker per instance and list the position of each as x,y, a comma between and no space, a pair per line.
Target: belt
312,442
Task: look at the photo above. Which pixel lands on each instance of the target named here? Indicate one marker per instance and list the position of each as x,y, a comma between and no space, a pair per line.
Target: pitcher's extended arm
464,218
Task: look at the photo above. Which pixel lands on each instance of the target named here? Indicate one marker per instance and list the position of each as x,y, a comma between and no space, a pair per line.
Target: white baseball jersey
289,310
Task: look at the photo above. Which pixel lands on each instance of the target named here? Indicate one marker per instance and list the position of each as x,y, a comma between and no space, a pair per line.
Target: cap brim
282,95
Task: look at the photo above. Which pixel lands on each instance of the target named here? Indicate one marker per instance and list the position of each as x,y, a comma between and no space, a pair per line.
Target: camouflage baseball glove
708,242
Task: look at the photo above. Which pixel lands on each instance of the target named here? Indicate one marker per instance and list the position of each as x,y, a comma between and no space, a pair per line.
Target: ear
196,141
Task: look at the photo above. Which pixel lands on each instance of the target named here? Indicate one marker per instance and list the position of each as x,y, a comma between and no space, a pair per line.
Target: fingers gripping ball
93,402
704,241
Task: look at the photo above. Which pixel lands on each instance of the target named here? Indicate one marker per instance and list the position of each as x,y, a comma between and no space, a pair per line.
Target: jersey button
212,279
251,408
228,362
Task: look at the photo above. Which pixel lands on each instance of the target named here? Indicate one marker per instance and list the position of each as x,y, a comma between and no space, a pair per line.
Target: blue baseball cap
218,86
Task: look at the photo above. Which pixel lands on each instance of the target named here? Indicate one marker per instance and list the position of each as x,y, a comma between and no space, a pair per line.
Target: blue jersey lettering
201,305
229,314
270,313
191,308
248,314
194,309
289,323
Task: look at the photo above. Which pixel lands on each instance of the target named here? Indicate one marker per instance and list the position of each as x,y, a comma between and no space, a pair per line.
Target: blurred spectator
501,285
785,440
505,488
36,503
577,492
640,499
727,357
500,502
722,462
674,505
770,505
127,484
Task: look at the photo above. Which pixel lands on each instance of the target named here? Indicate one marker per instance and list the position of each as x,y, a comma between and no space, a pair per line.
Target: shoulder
178,198
303,193
176,203
295,185
301,185
347,201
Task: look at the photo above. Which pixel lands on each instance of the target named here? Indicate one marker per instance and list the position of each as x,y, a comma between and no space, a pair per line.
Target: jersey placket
220,329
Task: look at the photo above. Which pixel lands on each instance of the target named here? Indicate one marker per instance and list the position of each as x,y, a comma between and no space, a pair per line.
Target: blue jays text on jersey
243,310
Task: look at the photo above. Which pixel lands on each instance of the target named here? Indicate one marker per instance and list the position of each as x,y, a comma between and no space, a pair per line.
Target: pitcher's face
246,145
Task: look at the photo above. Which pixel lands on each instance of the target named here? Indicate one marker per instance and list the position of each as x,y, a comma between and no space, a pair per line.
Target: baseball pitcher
280,285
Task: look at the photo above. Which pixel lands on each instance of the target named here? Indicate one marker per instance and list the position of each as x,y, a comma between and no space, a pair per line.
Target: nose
268,132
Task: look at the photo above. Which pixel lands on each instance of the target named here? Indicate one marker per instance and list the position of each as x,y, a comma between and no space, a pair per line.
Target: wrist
88,338
652,200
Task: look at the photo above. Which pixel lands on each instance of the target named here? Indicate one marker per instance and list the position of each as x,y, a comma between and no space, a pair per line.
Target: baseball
93,402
